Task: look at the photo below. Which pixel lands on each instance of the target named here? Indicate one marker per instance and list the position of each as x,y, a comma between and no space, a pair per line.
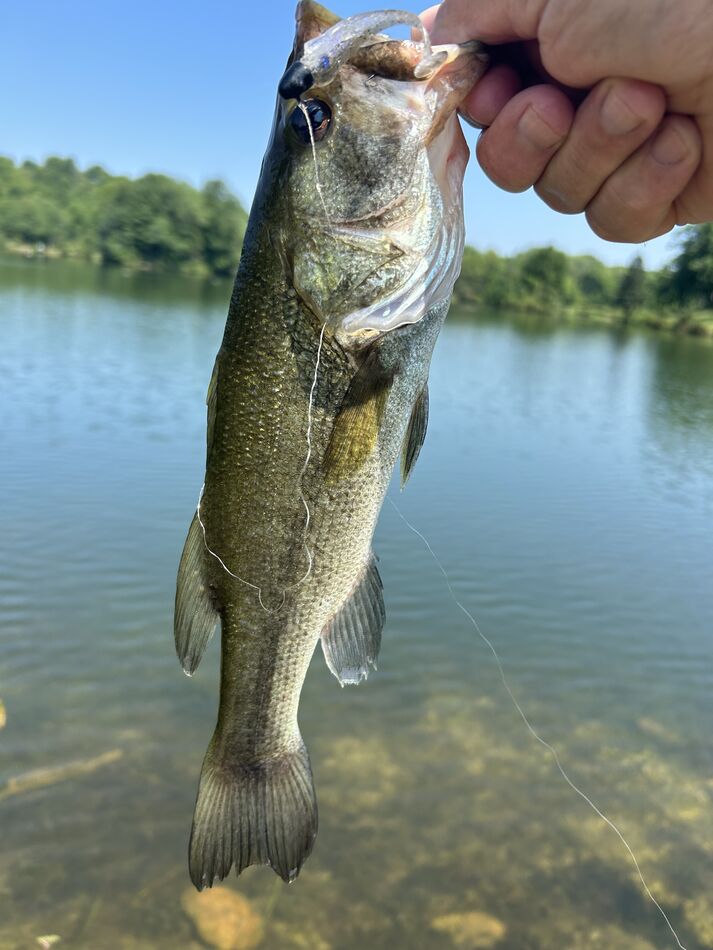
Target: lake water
566,485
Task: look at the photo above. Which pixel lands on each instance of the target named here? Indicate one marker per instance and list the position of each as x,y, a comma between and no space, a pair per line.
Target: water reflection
682,384
563,483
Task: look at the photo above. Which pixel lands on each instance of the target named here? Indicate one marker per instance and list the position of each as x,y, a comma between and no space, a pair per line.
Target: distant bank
55,209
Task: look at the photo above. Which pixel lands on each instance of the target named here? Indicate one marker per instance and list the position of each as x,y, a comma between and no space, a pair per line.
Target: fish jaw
436,268
375,228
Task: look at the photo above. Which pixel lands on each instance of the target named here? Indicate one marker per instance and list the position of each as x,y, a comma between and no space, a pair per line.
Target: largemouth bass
353,245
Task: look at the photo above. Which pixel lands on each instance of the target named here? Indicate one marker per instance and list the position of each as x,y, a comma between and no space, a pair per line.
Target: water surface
567,487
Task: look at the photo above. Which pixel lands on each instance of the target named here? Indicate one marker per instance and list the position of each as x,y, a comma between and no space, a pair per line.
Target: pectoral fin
357,425
351,639
415,435
195,615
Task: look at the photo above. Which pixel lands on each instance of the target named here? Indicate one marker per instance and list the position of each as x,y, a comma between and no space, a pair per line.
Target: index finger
492,21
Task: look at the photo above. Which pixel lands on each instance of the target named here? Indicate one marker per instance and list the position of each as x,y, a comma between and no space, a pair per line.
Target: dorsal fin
311,19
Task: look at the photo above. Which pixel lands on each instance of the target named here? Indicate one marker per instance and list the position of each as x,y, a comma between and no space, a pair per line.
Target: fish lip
463,67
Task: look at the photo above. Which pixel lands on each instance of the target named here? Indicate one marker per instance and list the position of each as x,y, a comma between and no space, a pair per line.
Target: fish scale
337,305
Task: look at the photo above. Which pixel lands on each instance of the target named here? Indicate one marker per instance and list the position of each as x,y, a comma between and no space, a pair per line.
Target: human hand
621,126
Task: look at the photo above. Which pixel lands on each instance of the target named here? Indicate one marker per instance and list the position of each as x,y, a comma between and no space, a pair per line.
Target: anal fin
195,615
351,639
415,435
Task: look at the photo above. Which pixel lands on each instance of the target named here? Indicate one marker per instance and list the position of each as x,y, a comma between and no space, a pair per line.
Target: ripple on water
568,508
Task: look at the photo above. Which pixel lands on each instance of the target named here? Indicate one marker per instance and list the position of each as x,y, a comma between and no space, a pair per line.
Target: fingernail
472,122
669,147
536,131
616,116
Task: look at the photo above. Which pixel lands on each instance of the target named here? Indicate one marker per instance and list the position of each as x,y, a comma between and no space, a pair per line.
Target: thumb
492,21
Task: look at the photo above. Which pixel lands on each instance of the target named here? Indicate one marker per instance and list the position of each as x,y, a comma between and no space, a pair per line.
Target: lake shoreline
697,323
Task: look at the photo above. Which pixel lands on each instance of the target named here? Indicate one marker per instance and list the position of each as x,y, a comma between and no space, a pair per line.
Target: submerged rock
473,930
656,730
368,775
699,914
223,918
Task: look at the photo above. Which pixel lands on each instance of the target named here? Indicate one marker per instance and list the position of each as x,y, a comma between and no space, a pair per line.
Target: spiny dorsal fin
195,615
415,435
312,19
351,639
357,425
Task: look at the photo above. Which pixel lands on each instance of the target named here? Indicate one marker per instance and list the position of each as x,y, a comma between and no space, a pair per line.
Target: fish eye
320,118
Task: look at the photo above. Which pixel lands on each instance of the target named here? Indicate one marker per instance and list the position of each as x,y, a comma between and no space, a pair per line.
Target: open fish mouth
417,231
449,69
357,39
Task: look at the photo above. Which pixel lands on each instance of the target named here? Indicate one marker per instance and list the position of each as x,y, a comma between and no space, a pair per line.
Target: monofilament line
225,567
303,109
530,728
308,515
310,415
305,466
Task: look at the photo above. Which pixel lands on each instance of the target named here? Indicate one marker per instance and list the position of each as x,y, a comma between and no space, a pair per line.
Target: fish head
369,163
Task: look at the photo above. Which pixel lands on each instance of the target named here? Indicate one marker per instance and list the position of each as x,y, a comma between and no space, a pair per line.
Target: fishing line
310,406
308,514
531,729
225,567
310,420
303,109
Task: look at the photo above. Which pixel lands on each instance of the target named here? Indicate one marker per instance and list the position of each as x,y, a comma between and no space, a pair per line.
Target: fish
353,245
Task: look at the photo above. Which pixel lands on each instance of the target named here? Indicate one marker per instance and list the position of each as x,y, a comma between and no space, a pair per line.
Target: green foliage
632,287
593,280
153,221
223,226
540,280
689,279
546,281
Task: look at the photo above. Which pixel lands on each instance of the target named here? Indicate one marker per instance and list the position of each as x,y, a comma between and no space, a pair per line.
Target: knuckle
615,230
498,171
631,195
558,199
560,40
690,211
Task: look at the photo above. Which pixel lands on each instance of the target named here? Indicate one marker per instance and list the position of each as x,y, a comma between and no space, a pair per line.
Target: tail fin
253,814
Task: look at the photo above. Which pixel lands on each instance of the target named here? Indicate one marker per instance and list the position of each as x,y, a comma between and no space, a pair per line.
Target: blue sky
187,88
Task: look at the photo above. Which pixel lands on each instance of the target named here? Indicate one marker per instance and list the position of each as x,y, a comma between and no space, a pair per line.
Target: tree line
156,221
547,280
151,221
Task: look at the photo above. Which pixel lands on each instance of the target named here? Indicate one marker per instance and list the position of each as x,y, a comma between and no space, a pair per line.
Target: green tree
149,221
594,282
484,280
223,225
154,221
689,280
632,287
544,277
